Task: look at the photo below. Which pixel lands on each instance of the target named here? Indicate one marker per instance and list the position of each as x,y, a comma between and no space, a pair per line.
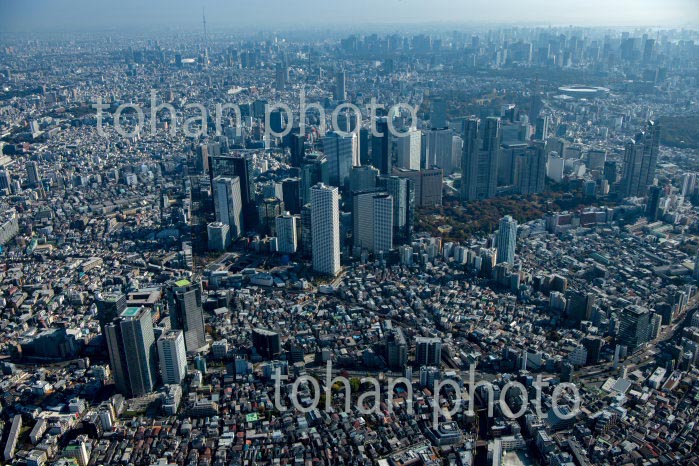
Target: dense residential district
193,274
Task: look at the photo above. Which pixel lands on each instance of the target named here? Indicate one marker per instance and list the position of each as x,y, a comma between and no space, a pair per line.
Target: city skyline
92,16
497,266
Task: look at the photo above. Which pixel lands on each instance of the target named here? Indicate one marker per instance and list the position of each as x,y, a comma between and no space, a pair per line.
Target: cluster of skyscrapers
140,354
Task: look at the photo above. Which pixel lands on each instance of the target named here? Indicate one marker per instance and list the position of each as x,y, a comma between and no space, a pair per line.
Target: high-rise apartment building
507,240
325,226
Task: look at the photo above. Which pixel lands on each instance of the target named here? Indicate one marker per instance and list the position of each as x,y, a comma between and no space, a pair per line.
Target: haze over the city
349,233
46,15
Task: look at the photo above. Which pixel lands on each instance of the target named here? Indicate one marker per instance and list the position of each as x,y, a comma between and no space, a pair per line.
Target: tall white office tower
228,204
409,147
507,240
286,233
342,153
173,357
695,273
372,221
325,229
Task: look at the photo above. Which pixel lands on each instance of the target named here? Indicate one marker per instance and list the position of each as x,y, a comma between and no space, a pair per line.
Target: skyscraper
542,128
268,210
186,313
530,170
653,203
286,233
507,240
381,148
438,113
402,190
201,162
132,353
172,355
109,307
428,351
426,183
689,182
240,166
325,229
342,153
610,171
383,223
479,159
640,160
363,178
297,149
219,236
439,150
281,76
313,171
33,176
408,149
596,159
228,204
291,195
306,230
267,343
634,327
5,180
340,90
507,162
372,219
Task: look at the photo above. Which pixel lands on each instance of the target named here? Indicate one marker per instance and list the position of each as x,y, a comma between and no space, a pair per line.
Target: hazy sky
33,15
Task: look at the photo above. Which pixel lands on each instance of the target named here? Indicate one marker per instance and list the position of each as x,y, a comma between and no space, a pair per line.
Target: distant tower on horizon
206,40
